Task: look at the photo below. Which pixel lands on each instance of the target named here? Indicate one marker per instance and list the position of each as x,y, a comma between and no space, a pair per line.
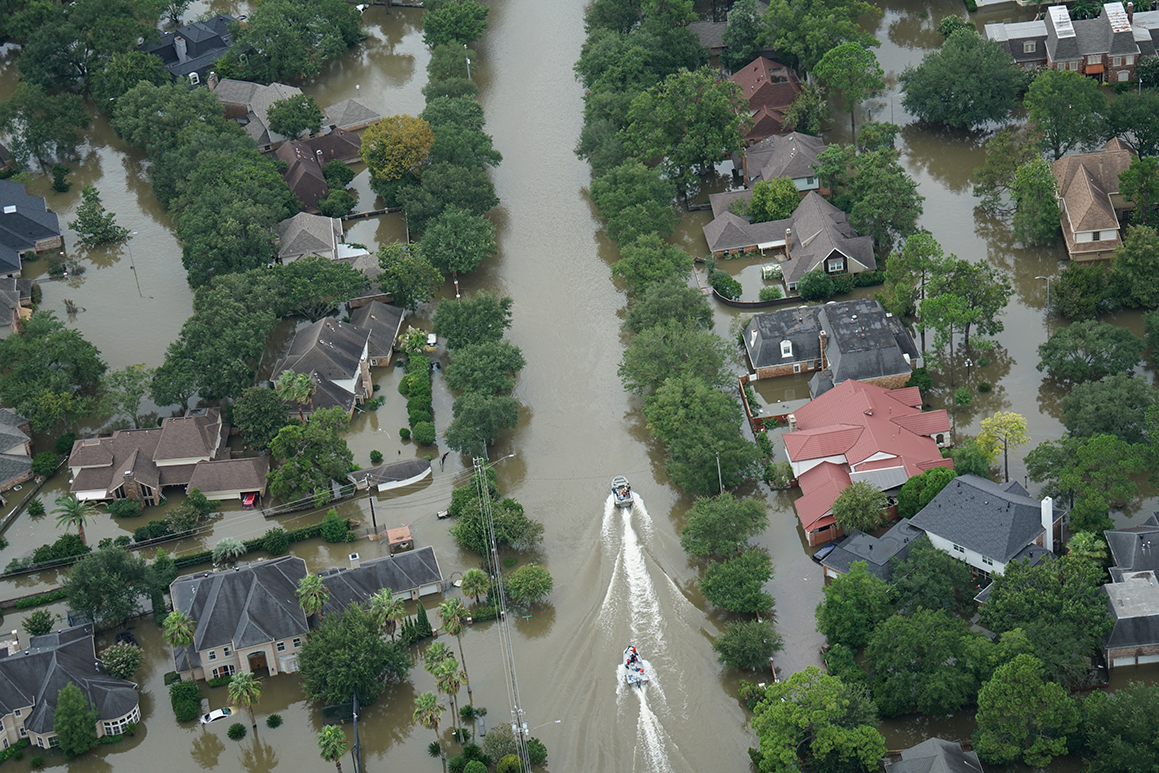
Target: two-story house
793,155
1090,202
15,449
769,87
26,225
336,357
1133,595
191,50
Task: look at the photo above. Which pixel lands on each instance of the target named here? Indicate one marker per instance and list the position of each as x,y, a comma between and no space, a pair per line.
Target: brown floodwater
619,579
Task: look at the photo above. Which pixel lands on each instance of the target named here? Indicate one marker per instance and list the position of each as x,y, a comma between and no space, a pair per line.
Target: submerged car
216,714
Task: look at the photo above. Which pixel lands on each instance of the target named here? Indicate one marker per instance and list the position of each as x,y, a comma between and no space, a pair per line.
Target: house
816,236
231,478
303,173
15,304
1107,47
15,449
26,224
336,357
711,33
854,339
934,755
793,155
385,477
987,524
305,235
366,263
247,103
1133,601
139,464
409,575
248,619
876,552
336,145
31,678
383,321
859,432
1133,549
769,87
191,50
350,115
1088,185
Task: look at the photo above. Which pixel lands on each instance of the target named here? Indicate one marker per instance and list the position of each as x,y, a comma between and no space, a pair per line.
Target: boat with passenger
634,673
621,491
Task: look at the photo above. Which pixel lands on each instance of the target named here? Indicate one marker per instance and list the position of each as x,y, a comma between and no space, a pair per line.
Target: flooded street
619,577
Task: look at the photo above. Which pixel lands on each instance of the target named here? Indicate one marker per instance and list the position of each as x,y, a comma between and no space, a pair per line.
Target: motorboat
634,673
621,491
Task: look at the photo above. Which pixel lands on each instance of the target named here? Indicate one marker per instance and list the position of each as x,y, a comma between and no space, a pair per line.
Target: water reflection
205,750
258,756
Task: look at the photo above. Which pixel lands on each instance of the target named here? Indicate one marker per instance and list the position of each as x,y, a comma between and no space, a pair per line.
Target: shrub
725,284
125,508
921,379
985,386
509,764
219,681
963,397
404,386
236,731
771,293
424,433
186,700
59,173
815,285
66,546
274,721
123,541
843,283
39,622
35,507
121,661
337,203
44,464
536,751
37,761
869,278
335,529
171,677
404,433
36,600
376,457
417,416
276,541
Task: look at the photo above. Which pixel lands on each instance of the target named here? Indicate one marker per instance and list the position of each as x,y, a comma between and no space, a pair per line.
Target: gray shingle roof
24,220
1135,548
982,516
865,341
206,42
935,755
383,321
400,573
792,155
799,326
350,112
305,234
876,552
329,348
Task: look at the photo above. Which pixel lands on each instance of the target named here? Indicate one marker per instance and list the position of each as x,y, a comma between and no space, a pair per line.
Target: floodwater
620,576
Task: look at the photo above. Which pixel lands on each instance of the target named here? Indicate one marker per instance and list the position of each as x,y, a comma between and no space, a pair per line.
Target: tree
291,116
1003,430
809,30
854,604
454,22
649,260
332,742
1035,197
980,295
449,679
1082,291
296,388
107,584
74,722
692,119
477,319
38,622
1134,267
668,299
312,595
747,645
968,82
808,111
93,225
773,200
669,350
228,550
407,275
512,527
970,459
634,200
815,285
1128,117
179,632
854,70
124,71
71,511
475,584
737,584
1006,152
1116,406
449,61
259,413
1022,716
310,456
244,690
929,578
479,420
289,40
1087,546
1121,729
529,584
1139,183
860,506
41,126
397,146
453,615
918,491
121,661
126,388
920,663
457,241
1067,108
886,202
814,721
387,610
314,287
742,35
347,655
489,367
1090,351
428,711
721,525
463,146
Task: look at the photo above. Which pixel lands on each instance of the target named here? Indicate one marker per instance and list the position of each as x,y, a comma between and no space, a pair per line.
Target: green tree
1006,152
453,615
860,506
449,679
773,200
748,645
968,82
808,111
291,116
1035,197
124,71
885,200
1121,728
126,388
228,550
1001,432
737,584
290,41
259,413
670,350
1067,108
428,711
649,260
296,388
312,595
475,584
407,275
310,456
527,585
742,35
815,285
1133,268
121,661
854,70
1022,716
477,319
929,578
457,241
396,146
1090,351
512,526
454,22
245,690
855,603
479,420
813,721
489,367
808,30
315,287
152,116
1116,406
347,655
463,146
107,584
1129,117
449,61
1139,183
633,201
918,491
179,632
38,622
72,511
668,299
906,271
332,742
74,722
980,295
969,458
692,119
1082,291
1087,546
722,525
387,610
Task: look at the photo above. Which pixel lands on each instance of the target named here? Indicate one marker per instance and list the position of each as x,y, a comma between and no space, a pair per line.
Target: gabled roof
328,348
24,220
765,83
799,326
876,552
793,155
303,173
401,572
350,112
995,521
819,230
934,755
820,486
205,43
304,234
335,145
1135,548
197,434
246,474
383,321
1086,182
255,99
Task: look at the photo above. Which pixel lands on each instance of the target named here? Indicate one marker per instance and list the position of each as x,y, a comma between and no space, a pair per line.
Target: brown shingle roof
247,474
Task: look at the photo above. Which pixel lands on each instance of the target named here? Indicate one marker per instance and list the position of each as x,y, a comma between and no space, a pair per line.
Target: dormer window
1028,46
786,348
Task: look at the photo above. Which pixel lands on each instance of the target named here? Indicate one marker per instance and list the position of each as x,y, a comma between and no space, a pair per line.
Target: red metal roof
820,485
925,423
823,442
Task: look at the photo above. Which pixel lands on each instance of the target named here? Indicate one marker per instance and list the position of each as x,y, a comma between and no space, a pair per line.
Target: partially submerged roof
400,573
876,552
383,321
934,755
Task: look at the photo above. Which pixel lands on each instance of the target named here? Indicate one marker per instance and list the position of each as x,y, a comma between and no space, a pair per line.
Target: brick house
769,87
1090,201
190,51
336,357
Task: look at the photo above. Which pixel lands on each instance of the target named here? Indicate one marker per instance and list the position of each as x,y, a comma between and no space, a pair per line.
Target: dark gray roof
982,516
383,321
328,348
242,607
935,755
865,341
876,552
34,676
205,41
400,573
792,155
819,230
799,326
1135,548
24,220
1133,601
1012,37
1061,38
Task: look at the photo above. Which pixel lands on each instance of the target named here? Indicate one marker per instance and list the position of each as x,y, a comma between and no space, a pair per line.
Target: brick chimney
1047,509
212,80
824,342
355,561
788,238
1130,13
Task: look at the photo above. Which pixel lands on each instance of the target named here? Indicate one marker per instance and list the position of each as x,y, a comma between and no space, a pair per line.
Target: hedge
251,546
186,700
15,750
48,597
220,681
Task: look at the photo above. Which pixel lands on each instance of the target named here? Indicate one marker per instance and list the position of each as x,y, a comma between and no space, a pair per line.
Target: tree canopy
1090,351
1121,728
737,584
773,200
454,22
347,655
477,319
107,584
1035,196
457,241
648,260
259,413
741,37
1135,268
489,367
634,200
294,115
852,69
747,645
42,126
854,604
311,455
808,30
479,420
1022,716
860,506
74,722
930,578
395,146
1115,406
722,525
290,40
669,299
918,491
670,350
408,276
1067,107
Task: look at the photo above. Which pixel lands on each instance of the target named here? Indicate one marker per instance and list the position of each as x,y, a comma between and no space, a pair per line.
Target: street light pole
133,265
1047,292
468,61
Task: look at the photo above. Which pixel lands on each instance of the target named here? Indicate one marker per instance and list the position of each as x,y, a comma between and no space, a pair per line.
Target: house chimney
824,341
1048,523
792,422
788,238
355,561
1130,13
181,48
211,80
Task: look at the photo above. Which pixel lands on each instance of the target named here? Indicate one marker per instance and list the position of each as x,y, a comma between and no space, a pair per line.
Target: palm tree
387,610
453,613
449,678
228,549
71,511
475,583
244,690
296,387
1087,545
312,595
428,711
332,742
179,630
435,654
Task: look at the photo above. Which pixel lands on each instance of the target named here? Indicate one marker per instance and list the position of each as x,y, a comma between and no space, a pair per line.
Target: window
213,654
18,712
1124,76
1074,65
987,561
818,365
1117,61
53,742
6,742
796,367
1094,58
838,264
1130,59
23,732
810,180
226,670
959,549
1096,236
786,348
297,642
1029,46
225,652
281,646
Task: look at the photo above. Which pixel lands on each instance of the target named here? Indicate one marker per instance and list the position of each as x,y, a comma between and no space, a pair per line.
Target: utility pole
357,750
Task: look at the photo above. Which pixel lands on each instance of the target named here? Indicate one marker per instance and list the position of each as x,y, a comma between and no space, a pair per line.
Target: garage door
1148,659
1122,662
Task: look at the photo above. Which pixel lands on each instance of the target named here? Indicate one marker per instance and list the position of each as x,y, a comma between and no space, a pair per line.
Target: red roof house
859,432
770,88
